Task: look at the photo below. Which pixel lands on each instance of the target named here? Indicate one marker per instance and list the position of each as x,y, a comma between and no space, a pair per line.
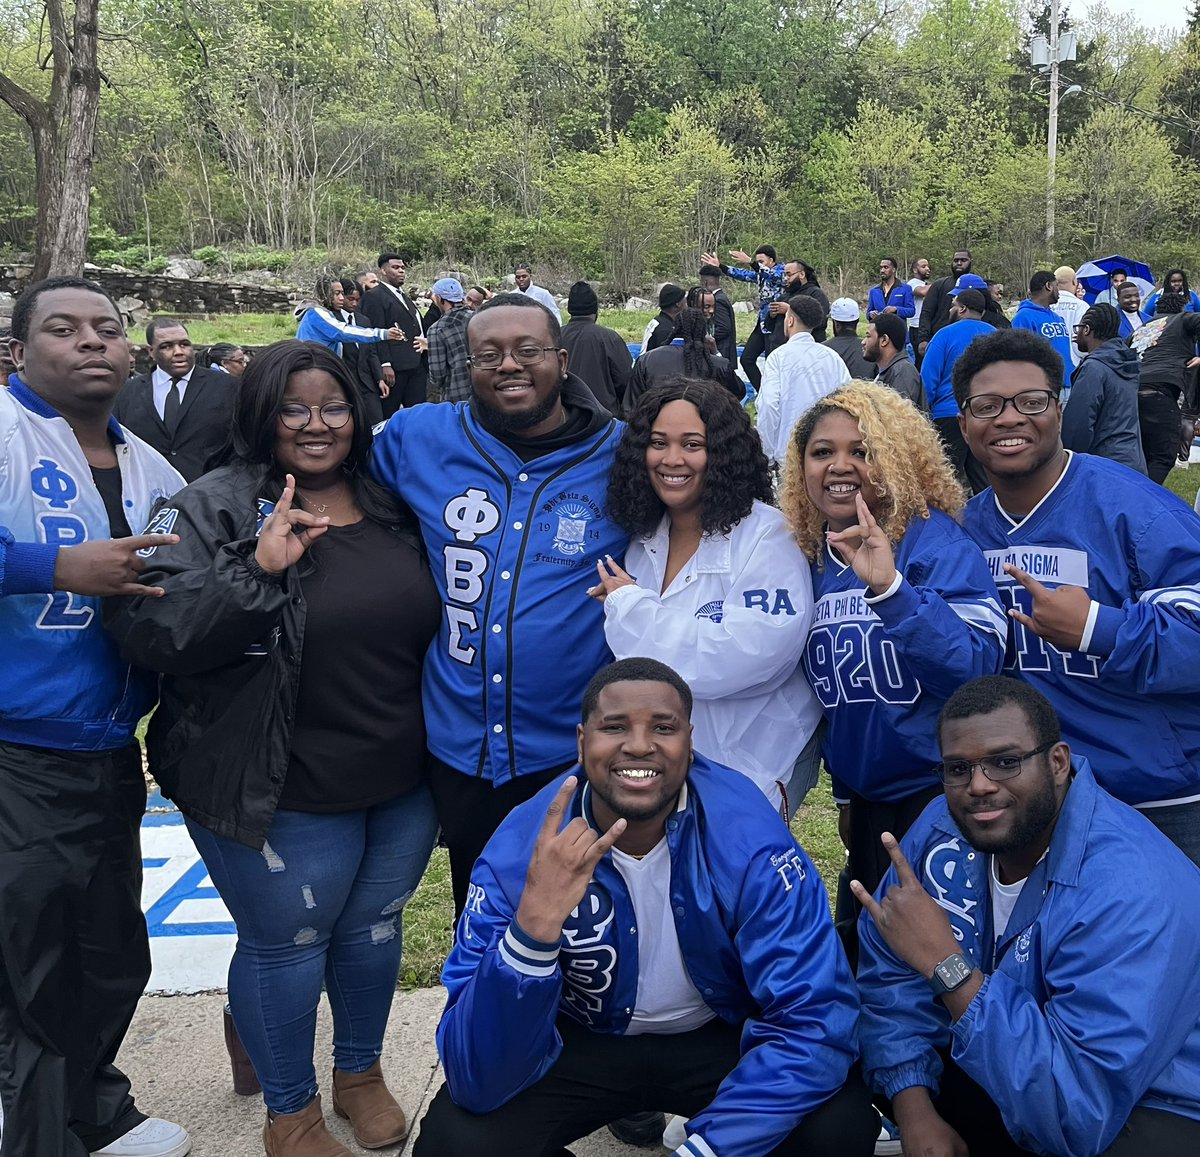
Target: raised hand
561,867
611,577
108,567
1059,616
740,255
915,928
866,548
279,545
709,259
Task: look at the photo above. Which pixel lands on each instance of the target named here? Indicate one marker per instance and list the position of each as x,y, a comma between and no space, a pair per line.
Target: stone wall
141,294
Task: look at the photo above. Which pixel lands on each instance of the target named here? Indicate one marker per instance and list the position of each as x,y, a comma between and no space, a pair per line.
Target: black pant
869,861
599,1078
469,810
409,389
973,1115
969,472
74,953
1158,418
755,347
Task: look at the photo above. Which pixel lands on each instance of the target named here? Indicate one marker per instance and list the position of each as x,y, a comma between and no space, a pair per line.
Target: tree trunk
63,129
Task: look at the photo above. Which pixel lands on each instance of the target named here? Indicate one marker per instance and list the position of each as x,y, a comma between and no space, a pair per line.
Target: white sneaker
675,1134
888,1143
154,1137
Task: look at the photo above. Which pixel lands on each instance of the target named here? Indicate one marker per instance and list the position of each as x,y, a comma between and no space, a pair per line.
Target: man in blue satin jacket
1056,928
646,934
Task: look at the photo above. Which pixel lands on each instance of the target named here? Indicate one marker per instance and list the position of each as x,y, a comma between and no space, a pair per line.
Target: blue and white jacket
513,546
754,930
1129,698
1043,321
770,286
324,327
883,667
62,683
1091,1002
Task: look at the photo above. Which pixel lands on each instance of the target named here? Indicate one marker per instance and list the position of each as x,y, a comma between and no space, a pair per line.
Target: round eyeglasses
524,355
295,415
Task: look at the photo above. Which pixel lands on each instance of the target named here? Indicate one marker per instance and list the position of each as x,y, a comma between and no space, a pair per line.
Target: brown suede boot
301,1134
363,1099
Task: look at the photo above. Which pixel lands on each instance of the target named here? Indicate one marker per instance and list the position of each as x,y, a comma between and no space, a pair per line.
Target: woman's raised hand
279,543
866,548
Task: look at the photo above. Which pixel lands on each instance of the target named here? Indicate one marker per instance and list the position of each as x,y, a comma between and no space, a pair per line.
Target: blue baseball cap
966,281
448,289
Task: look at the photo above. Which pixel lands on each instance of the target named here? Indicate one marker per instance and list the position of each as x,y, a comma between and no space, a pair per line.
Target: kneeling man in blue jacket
645,934
1029,964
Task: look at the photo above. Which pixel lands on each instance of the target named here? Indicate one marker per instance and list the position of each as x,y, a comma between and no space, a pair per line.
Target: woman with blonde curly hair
905,607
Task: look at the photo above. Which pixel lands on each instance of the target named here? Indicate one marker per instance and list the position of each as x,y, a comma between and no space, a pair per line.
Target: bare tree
63,128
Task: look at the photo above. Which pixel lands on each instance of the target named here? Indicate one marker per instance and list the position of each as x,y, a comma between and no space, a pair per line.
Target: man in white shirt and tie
404,363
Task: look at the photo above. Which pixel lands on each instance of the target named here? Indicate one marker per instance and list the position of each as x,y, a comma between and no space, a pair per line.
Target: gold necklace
319,507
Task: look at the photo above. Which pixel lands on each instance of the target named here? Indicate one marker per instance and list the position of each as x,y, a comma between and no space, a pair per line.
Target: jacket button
296,601
275,777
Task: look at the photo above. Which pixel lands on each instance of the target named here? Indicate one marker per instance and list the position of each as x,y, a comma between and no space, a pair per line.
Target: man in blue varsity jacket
646,933
74,954
1099,570
510,489
1028,965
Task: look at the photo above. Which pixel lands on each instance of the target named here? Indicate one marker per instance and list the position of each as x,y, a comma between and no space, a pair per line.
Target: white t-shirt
915,283
1004,900
667,1000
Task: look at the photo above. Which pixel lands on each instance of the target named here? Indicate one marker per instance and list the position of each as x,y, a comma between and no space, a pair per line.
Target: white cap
845,309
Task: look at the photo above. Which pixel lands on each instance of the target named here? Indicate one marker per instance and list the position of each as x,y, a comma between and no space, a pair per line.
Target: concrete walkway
175,1055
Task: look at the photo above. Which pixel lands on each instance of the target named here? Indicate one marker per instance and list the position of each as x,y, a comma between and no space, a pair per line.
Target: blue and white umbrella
1096,276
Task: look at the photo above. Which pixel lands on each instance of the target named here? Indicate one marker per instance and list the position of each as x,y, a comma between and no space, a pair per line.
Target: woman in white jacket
714,585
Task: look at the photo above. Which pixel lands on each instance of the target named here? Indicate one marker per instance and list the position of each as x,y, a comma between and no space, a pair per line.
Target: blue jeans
320,903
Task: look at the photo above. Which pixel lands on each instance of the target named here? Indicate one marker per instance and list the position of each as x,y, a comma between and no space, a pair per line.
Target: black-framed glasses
958,772
296,415
523,355
1027,402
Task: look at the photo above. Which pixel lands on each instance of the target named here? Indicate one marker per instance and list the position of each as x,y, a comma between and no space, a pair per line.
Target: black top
848,347
1165,345
661,334
600,357
372,611
108,482
904,378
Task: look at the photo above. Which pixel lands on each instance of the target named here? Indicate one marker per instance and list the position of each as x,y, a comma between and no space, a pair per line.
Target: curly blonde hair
905,462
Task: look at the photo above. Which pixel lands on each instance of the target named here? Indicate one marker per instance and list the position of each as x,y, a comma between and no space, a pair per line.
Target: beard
505,422
1039,813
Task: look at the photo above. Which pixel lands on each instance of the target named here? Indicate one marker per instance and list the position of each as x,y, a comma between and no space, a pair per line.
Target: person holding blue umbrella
1102,279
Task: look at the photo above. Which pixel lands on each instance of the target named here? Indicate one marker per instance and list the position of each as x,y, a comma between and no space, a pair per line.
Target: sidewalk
175,1056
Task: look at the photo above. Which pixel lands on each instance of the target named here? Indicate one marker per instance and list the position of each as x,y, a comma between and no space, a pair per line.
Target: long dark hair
737,472
260,393
692,326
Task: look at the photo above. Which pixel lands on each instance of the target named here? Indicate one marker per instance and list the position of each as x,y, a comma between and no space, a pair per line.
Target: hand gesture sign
279,546
1059,616
108,566
915,928
866,548
561,867
611,577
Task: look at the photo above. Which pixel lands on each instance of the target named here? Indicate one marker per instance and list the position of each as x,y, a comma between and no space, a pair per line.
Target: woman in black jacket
298,609
687,356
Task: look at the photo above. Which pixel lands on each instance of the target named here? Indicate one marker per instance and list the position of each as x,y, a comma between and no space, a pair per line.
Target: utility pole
1052,129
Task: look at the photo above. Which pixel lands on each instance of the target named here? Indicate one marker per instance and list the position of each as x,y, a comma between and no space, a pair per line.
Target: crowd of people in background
595,616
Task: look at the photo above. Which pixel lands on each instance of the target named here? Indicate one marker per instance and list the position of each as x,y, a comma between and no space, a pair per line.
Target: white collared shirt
160,381
796,375
544,297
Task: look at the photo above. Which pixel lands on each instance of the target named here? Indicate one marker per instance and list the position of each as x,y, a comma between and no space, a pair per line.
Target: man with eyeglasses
1099,569
1028,965
510,489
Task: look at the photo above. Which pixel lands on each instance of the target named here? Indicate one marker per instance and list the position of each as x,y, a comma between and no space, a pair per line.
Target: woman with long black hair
687,356
290,734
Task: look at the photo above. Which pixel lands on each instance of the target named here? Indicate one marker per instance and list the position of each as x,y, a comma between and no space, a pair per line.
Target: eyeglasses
525,355
958,772
1028,402
334,414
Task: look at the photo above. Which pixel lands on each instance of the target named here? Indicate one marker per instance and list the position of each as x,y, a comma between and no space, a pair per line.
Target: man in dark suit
724,322
404,363
362,360
183,410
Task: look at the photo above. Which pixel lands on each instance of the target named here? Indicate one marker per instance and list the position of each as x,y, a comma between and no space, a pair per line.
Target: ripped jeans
321,903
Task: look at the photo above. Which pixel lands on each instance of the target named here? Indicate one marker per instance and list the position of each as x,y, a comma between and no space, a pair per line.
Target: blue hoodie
1043,321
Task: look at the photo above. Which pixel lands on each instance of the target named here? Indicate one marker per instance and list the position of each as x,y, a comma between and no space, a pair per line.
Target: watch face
951,973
